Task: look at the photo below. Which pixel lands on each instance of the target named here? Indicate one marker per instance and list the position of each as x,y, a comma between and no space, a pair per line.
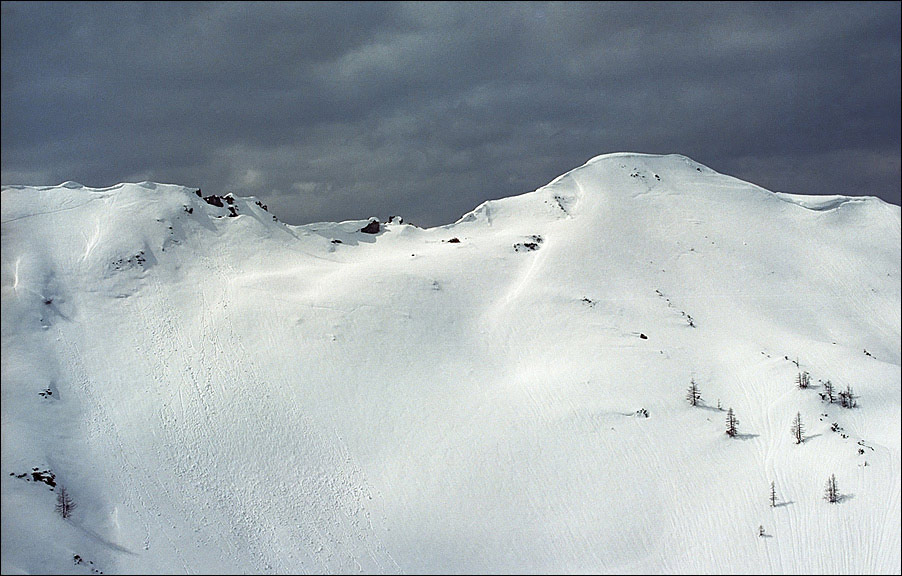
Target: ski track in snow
348,491
138,499
330,511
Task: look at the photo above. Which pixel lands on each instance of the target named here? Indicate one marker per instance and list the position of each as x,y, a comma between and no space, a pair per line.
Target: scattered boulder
78,560
37,475
45,476
214,200
529,246
372,228
454,240
218,201
131,262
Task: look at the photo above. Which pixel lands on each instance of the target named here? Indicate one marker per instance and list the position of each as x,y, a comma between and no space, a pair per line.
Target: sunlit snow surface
227,394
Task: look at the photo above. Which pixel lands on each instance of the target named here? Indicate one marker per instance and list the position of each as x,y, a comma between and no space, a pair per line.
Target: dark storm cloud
333,111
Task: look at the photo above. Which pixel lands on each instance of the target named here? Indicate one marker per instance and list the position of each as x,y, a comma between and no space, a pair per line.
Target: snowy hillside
219,392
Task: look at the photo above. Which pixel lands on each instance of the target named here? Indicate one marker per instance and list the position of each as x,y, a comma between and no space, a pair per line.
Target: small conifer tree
732,424
64,503
831,492
798,429
693,395
847,398
829,391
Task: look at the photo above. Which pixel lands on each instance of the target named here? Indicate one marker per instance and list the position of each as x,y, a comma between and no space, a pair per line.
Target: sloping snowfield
505,394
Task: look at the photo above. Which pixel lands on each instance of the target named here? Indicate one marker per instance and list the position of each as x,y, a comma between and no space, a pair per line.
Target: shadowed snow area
220,392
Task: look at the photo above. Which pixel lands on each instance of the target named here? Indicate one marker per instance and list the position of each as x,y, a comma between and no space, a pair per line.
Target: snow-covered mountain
219,392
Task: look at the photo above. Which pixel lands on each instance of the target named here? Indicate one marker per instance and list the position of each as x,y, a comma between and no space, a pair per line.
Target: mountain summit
219,392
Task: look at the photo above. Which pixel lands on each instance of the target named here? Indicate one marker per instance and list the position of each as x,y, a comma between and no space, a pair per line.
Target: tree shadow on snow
704,406
107,543
843,497
745,436
782,504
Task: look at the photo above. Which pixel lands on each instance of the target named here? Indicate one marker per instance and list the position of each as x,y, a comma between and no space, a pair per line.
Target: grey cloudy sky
338,111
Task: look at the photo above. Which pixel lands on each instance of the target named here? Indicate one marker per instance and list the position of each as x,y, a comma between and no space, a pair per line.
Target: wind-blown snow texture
232,394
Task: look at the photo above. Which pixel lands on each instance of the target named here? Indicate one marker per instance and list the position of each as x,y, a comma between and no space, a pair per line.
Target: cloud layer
336,111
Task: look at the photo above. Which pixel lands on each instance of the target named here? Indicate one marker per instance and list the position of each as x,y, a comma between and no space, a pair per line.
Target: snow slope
229,394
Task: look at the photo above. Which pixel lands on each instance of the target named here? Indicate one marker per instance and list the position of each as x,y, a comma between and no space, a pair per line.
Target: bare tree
847,398
773,495
693,395
831,492
64,503
797,429
803,380
732,423
828,392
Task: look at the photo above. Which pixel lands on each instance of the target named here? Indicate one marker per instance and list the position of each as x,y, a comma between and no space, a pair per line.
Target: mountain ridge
631,161
501,394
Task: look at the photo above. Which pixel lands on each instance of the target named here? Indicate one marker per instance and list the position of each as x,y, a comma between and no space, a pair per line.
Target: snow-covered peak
621,180
669,163
616,177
